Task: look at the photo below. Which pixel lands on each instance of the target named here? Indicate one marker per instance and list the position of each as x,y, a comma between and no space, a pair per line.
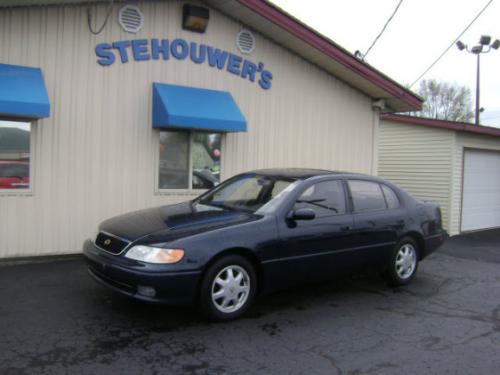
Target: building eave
443,124
339,61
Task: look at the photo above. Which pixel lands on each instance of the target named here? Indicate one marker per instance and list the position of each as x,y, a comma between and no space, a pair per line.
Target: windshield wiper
315,202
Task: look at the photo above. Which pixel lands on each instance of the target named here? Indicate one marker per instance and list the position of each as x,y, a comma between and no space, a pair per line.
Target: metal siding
418,159
96,156
465,140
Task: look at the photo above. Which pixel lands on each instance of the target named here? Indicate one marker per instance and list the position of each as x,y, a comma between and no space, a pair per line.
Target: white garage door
481,190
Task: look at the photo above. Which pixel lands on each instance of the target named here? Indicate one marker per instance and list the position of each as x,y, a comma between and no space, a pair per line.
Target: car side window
366,196
326,198
390,197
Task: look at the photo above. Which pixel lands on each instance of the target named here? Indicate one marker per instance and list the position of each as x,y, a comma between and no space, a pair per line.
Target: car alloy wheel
230,289
406,261
403,264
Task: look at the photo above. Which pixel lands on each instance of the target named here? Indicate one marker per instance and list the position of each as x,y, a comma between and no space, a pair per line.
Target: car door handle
345,228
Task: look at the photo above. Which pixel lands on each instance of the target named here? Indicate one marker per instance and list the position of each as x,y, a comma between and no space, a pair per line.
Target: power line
383,29
453,43
89,19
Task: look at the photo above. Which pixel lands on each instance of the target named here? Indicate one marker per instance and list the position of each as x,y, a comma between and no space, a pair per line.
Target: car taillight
439,217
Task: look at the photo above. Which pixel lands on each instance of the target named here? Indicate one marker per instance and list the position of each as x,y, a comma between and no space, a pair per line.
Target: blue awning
181,107
22,92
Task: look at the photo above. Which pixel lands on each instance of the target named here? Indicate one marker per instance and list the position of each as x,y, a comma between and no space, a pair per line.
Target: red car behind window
14,174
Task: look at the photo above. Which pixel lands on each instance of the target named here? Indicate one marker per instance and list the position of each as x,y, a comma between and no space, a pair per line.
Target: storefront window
189,160
14,155
174,160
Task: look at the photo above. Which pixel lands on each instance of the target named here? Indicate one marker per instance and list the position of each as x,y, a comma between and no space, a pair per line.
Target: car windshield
252,193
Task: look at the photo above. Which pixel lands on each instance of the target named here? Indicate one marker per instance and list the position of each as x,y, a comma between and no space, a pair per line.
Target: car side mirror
301,214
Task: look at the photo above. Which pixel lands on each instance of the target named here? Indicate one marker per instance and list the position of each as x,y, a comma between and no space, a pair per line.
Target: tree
445,101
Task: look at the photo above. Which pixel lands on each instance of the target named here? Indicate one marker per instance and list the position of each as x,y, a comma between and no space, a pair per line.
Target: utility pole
477,88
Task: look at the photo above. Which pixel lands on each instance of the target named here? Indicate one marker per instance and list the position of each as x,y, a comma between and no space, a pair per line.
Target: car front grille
110,243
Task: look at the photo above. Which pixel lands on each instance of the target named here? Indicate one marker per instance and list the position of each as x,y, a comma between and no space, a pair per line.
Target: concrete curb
15,261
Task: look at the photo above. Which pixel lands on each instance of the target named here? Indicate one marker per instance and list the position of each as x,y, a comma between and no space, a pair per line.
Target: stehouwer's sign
180,49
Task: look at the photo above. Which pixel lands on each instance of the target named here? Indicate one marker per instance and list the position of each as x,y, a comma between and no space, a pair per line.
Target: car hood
174,221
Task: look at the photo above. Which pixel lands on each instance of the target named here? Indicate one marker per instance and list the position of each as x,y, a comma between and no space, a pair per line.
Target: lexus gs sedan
263,231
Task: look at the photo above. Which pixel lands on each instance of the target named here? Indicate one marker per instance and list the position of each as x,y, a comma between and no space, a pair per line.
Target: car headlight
150,254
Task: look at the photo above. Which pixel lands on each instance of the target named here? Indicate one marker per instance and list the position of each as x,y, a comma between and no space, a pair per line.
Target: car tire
228,288
403,264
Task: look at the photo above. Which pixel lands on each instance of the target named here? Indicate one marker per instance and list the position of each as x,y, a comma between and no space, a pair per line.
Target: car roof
301,173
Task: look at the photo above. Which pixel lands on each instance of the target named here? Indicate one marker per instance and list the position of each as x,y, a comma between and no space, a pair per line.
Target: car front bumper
123,276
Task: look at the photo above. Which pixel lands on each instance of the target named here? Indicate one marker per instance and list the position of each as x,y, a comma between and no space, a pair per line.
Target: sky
419,32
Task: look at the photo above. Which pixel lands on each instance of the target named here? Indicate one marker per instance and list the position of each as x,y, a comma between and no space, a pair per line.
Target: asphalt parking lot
55,320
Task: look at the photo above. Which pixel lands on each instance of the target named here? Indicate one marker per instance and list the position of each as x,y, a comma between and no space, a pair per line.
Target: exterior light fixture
477,49
460,45
195,18
484,46
485,40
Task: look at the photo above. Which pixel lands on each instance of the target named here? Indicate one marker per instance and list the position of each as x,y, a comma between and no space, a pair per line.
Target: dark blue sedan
263,231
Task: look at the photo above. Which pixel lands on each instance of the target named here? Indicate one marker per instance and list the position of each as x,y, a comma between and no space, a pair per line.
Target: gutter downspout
375,135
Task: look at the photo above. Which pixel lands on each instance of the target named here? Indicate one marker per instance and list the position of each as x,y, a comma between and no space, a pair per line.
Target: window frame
30,191
189,191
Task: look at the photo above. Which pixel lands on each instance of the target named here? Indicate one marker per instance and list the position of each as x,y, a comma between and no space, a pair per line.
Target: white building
454,164
121,119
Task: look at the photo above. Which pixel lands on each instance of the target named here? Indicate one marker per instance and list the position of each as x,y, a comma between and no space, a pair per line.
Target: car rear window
390,197
366,196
